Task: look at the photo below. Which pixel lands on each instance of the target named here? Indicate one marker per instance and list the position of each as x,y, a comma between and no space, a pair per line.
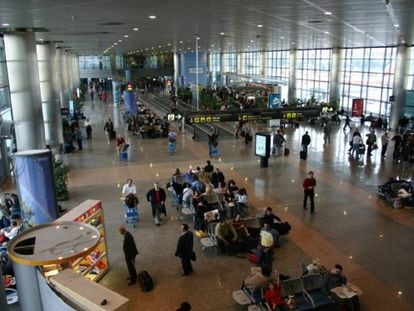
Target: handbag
374,146
193,256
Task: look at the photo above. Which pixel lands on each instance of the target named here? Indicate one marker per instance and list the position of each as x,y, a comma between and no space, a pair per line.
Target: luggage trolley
131,210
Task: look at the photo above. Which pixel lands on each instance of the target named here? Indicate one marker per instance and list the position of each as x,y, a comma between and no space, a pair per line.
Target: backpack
145,281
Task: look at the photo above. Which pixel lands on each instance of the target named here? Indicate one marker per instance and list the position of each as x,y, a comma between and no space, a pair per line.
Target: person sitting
231,185
258,277
272,295
270,218
200,208
187,196
241,201
334,278
189,176
240,227
178,177
315,267
228,202
7,234
405,195
227,238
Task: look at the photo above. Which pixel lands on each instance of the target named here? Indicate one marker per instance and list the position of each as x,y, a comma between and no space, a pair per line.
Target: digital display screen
261,144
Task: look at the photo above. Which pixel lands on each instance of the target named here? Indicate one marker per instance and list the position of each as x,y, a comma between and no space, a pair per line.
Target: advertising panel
262,145
357,107
274,100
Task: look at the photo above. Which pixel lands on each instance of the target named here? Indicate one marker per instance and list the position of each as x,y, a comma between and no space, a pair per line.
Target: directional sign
252,115
174,117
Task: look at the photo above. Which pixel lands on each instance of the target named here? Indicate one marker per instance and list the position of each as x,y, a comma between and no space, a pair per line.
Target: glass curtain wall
94,62
368,73
251,63
313,73
277,65
230,62
214,65
410,70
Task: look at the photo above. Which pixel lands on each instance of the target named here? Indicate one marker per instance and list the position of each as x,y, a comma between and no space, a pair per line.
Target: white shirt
188,192
356,140
129,189
12,233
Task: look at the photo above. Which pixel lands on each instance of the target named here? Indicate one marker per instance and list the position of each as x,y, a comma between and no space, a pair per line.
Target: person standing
185,249
109,128
157,198
130,252
384,143
327,133
306,140
371,140
129,187
309,185
347,123
79,137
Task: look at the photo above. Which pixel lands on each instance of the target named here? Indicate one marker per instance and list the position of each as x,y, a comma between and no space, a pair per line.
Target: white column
335,84
50,108
397,107
292,76
20,50
64,101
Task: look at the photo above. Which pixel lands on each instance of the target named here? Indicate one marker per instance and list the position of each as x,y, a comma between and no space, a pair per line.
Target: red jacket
309,184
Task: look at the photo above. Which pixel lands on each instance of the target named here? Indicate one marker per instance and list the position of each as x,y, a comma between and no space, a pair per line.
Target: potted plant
61,175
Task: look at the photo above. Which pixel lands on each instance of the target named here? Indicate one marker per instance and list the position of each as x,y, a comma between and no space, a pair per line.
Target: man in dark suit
157,198
130,252
185,249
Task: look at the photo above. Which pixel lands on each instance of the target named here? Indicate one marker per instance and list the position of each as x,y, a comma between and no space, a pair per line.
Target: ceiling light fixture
328,13
181,42
326,32
126,36
135,29
397,26
260,26
119,40
5,24
221,33
282,37
152,17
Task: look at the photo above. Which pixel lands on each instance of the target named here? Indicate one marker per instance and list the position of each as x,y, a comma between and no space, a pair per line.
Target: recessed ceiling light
119,40
328,13
326,32
115,43
152,17
160,46
5,24
126,36
168,44
282,37
212,45
221,33
251,41
403,41
135,29
259,26
293,43
181,42
198,38
396,26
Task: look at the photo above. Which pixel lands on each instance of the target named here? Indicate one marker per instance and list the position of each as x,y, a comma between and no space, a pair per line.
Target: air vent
111,24
315,22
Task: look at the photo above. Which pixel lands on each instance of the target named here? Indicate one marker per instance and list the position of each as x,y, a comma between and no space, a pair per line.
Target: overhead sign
194,71
174,117
274,100
252,115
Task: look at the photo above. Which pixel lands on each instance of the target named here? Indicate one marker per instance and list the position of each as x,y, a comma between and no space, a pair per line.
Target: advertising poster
116,87
262,147
357,107
36,186
409,103
130,103
274,100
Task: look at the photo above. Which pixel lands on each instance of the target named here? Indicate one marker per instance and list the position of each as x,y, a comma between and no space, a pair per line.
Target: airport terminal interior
348,57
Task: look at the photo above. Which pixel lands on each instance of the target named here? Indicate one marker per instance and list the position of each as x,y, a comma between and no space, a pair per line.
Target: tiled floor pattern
352,227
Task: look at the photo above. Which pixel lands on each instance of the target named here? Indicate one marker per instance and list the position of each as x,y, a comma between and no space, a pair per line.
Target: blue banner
130,103
35,179
274,100
116,91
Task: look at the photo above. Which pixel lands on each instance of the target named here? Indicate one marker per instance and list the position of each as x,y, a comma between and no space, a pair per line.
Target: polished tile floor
351,226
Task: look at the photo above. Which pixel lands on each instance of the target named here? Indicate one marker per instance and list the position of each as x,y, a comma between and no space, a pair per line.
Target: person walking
384,144
347,123
309,185
371,140
130,252
306,140
88,128
185,249
157,198
327,133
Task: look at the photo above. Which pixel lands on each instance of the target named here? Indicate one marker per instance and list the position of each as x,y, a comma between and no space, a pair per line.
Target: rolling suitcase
172,147
145,281
286,151
303,155
214,152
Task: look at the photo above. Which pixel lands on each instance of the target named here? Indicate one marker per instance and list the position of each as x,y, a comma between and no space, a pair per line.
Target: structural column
397,107
335,85
20,50
263,63
222,77
64,101
50,108
176,70
292,76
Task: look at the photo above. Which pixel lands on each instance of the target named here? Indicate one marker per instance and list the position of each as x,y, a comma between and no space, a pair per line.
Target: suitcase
361,149
145,281
286,151
214,152
172,147
303,155
112,135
